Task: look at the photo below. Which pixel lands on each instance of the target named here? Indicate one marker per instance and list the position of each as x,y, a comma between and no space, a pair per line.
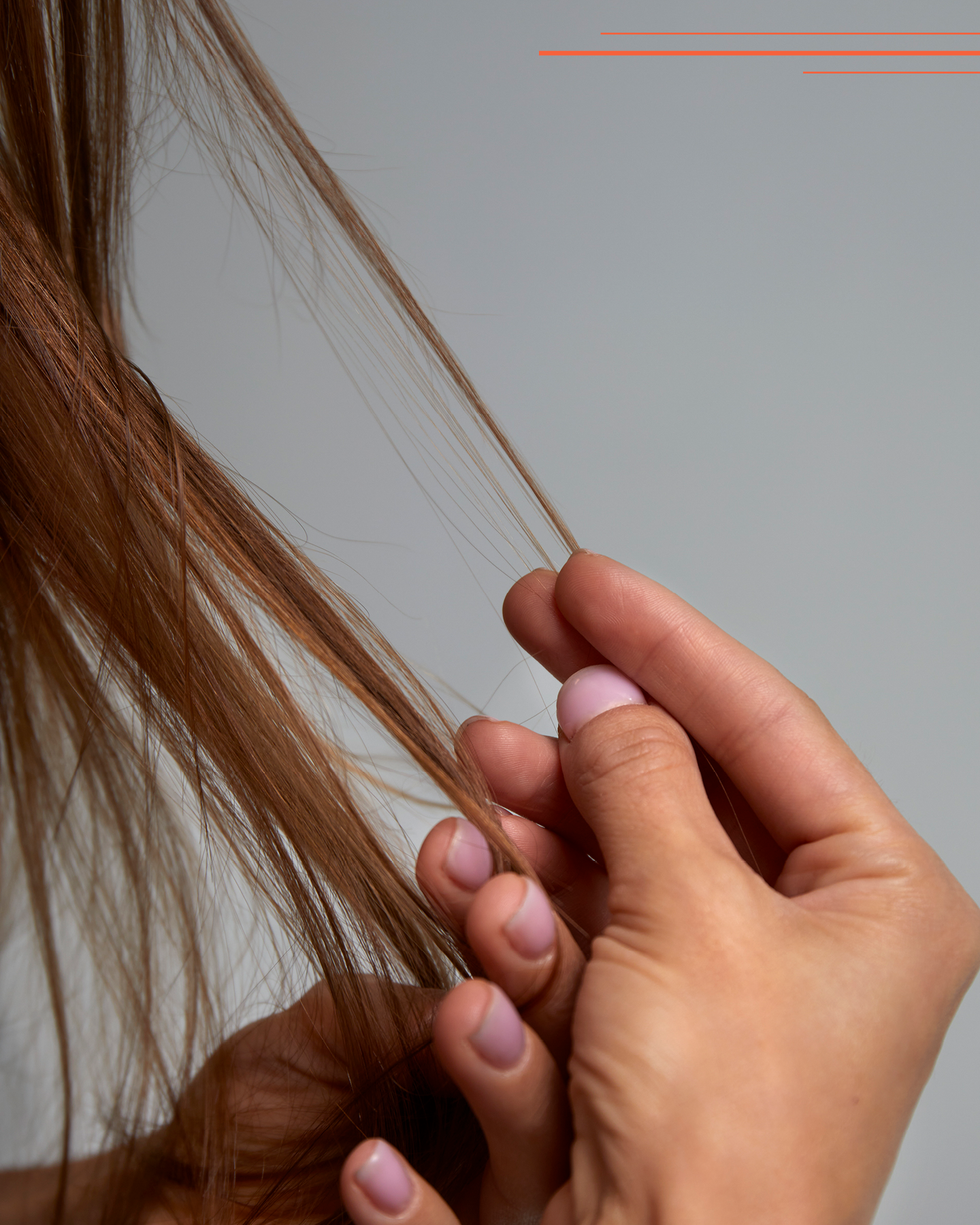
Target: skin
759,962
757,1018
288,1068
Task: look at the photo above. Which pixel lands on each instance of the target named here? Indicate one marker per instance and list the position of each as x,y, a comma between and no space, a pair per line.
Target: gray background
727,310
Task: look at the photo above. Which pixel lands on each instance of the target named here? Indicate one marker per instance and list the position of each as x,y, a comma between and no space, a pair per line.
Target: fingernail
590,692
500,1036
531,928
475,719
384,1180
468,860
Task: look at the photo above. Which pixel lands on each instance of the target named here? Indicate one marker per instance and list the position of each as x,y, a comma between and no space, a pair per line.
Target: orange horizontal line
891,72
903,54
785,33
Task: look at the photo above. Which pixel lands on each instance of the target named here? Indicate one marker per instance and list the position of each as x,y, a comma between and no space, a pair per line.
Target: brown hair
141,597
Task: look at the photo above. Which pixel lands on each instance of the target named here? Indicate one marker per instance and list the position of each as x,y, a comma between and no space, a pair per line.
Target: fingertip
512,925
542,576
380,1173
378,1185
478,734
531,929
468,860
481,1016
499,1039
583,575
534,619
578,558
470,722
453,863
592,691
537,587
375,1177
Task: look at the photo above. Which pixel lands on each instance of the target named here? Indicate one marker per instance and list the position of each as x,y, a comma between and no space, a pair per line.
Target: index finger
769,737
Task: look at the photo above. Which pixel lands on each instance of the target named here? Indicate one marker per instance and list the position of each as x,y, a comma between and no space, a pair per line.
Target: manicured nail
590,692
500,1036
468,860
531,928
384,1180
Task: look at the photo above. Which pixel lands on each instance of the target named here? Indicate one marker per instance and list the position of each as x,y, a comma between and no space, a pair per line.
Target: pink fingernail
384,1180
590,692
531,928
500,1036
468,860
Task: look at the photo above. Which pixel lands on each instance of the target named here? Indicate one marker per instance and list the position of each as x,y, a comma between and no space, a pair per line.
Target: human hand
282,1086
523,772
741,1050
514,937
517,1094
515,1085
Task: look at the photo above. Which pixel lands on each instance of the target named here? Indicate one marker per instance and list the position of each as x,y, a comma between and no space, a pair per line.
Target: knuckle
944,918
777,704
964,935
630,745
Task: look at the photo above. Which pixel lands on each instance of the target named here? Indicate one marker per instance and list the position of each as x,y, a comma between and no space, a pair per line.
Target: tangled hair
143,600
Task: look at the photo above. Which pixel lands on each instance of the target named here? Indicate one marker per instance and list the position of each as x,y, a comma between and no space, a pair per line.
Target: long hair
145,602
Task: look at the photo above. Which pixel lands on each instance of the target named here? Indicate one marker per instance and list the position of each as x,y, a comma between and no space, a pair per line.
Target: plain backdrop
729,312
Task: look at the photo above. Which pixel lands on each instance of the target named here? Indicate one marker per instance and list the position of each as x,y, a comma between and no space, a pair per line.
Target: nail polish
468,861
384,1180
499,1037
590,692
531,928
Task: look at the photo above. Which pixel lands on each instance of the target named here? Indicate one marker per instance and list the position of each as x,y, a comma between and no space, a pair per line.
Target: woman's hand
518,1095
742,1050
285,1074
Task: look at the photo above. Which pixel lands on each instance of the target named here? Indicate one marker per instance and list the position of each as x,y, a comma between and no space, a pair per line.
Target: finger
768,736
524,775
378,1186
510,929
530,953
533,618
454,861
633,773
578,886
517,1093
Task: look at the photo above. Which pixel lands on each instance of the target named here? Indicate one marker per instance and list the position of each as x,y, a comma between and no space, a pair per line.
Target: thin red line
782,33
865,54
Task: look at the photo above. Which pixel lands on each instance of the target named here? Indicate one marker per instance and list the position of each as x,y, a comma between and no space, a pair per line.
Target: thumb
632,773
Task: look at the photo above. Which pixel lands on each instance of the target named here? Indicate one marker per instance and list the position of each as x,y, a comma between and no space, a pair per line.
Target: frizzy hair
139,591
